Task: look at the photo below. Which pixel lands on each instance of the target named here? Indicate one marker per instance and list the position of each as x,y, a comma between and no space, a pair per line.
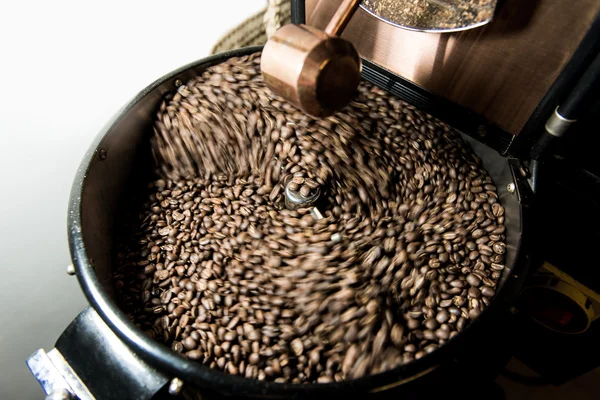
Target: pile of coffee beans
429,14
408,249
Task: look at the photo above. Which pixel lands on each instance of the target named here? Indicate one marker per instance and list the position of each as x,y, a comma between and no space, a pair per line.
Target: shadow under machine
522,85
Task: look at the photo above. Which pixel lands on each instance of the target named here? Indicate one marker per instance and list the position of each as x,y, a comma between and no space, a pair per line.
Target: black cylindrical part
298,12
542,144
584,94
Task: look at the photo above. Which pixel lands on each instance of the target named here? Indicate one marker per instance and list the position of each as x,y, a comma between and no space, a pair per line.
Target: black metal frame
585,53
101,359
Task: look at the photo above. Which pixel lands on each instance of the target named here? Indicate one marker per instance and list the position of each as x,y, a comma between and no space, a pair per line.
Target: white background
65,68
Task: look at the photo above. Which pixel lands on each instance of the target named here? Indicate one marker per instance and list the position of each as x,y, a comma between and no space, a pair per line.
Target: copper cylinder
315,70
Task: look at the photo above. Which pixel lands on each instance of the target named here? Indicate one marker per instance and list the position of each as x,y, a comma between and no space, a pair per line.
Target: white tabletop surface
65,68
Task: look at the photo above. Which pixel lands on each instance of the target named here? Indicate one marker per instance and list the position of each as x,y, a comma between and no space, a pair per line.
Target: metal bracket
91,362
557,125
55,375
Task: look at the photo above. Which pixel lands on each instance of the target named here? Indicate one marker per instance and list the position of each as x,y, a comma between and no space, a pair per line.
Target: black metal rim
164,358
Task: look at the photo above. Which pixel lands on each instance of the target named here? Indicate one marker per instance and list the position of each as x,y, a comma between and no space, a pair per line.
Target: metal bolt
178,82
481,131
511,187
336,238
294,200
102,154
71,269
314,211
60,394
175,386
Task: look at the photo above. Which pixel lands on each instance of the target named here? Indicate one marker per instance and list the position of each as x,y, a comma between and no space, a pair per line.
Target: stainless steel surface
557,125
56,376
501,70
294,200
434,16
45,372
62,394
502,174
78,388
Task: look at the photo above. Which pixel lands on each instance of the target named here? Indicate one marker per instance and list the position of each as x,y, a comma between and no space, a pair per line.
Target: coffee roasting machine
524,89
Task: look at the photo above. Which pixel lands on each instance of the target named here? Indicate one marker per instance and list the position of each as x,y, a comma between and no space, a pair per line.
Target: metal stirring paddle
294,200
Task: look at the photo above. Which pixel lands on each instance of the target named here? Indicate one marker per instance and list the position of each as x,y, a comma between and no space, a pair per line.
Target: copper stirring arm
341,17
315,70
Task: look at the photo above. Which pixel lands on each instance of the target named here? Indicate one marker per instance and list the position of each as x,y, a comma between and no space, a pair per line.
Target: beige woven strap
278,13
248,33
256,29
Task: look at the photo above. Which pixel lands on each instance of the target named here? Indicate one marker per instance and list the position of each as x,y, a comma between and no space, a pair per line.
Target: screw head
175,386
178,82
102,154
511,187
481,130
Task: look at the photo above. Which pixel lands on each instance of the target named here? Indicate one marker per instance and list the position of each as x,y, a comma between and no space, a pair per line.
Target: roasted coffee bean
412,323
474,292
213,264
193,355
487,291
442,317
305,191
497,210
499,248
431,324
442,334
473,280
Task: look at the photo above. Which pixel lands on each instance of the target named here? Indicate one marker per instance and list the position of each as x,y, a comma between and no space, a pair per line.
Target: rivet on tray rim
175,386
481,130
71,269
511,187
102,153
